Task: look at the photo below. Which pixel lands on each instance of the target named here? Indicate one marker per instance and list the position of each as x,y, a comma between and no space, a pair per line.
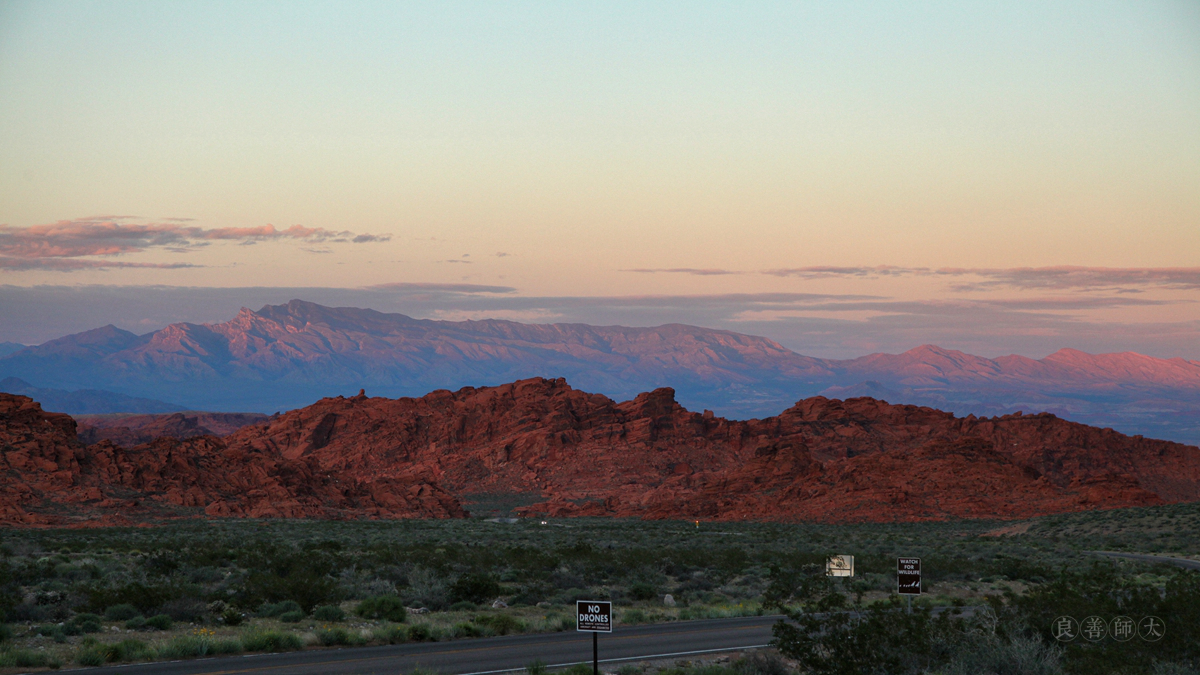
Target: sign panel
840,566
908,576
593,616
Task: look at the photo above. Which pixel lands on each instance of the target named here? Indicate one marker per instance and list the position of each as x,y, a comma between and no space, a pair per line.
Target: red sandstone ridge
51,478
130,430
860,459
822,459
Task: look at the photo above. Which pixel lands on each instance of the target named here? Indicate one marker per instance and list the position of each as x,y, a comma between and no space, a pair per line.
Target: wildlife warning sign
908,576
593,616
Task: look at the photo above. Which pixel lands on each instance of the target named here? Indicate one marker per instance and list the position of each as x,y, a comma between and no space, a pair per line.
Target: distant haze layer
285,356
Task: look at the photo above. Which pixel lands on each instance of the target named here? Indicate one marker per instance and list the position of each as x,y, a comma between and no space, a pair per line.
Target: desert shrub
143,597
160,622
387,607
136,623
277,574
271,641
538,667
761,663
91,655
463,606
129,650
232,617
275,610
1020,656
5,632
420,632
465,629
86,623
501,624
189,610
26,658
292,617
475,588
187,646
643,591
122,612
392,635
868,641
331,637
329,613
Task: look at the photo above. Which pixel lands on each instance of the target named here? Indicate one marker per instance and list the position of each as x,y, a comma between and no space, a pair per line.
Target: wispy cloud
702,272
450,288
1065,277
74,265
1069,277
118,235
825,272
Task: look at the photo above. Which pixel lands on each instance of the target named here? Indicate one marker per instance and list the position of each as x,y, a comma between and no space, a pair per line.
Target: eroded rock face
53,479
130,430
822,459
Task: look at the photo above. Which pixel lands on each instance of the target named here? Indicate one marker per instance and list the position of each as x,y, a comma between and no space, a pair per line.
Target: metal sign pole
595,654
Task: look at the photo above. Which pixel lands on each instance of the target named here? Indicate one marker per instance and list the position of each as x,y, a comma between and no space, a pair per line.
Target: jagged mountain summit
574,453
284,356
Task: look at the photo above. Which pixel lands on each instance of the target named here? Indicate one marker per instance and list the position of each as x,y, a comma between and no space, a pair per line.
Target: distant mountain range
85,401
285,356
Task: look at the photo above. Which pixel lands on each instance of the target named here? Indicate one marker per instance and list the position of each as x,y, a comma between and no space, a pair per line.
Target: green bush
136,623
160,622
420,632
643,591
475,588
292,617
232,617
501,624
392,635
5,632
121,612
185,646
463,606
26,658
278,609
329,613
465,629
91,655
387,607
271,641
331,637
538,667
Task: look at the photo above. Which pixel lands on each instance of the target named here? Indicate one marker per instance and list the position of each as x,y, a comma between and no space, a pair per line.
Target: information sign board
593,616
840,566
908,576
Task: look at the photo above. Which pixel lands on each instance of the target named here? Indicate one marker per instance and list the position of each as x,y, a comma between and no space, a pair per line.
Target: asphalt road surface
1142,557
485,655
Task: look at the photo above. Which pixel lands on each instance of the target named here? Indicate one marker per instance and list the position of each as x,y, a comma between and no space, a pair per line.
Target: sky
841,177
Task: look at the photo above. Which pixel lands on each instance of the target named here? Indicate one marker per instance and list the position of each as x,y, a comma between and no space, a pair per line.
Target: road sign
840,566
593,616
908,576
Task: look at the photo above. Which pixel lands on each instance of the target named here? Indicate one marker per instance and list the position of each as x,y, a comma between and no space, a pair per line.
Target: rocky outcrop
130,430
51,478
586,455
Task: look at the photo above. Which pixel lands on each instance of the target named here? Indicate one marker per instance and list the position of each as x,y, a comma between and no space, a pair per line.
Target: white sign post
595,617
839,566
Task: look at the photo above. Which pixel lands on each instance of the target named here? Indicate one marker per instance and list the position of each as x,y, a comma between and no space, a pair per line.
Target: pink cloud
115,235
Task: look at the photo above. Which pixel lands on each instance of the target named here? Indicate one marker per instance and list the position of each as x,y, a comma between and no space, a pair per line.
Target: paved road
1142,557
484,655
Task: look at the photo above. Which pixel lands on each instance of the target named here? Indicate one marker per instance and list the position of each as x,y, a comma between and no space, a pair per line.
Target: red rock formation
53,479
860,459
130,430
822,459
